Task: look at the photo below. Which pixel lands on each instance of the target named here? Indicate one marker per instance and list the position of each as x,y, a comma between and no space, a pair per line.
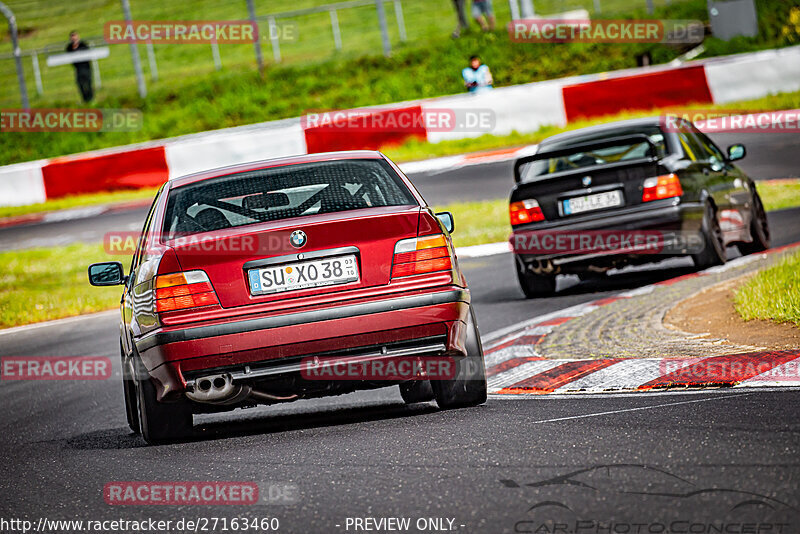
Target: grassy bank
425,67
772,294
43,284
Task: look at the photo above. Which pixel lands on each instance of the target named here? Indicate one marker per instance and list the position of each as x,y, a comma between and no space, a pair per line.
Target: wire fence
290,31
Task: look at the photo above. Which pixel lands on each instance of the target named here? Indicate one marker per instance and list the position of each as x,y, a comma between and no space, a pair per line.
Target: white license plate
597,201
302,275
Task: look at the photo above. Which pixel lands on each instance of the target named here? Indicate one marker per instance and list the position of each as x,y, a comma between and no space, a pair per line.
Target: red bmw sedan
259,283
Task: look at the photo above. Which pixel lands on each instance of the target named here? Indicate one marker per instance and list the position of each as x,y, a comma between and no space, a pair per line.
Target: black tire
416,391
759,228
713,252
160,422
534,285
468,387
129,392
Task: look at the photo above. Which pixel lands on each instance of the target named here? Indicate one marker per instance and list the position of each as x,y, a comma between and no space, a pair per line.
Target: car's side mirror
446,219
109,273
736,152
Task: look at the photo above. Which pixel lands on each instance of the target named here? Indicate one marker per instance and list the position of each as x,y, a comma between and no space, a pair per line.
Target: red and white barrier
194,153
521,108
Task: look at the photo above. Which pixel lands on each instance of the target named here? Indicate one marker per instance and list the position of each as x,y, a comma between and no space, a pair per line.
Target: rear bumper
668,216
172,353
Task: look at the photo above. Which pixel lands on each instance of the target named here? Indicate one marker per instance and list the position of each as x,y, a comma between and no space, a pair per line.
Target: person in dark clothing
461,13
83,71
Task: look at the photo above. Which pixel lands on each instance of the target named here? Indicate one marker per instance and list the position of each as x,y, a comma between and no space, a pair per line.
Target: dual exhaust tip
220,389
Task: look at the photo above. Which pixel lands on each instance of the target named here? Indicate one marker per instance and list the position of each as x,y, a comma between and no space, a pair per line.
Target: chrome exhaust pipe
218,389
221,390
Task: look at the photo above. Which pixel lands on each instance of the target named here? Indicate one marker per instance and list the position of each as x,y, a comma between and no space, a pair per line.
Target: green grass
80,201
43,284
780,195
773,293
191,97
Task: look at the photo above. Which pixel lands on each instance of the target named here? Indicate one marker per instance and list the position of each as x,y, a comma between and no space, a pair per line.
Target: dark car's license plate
597,201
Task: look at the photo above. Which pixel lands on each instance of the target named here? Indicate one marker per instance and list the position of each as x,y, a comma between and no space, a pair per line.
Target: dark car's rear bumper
670,217
173,354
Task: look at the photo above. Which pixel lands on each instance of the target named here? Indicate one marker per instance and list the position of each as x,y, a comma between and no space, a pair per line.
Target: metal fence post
215,55
401,22
96,72
513,5
137,63
337,34
251,10
37,75
650,6
597,6
151,56
274,39
387,45
527,9
12,26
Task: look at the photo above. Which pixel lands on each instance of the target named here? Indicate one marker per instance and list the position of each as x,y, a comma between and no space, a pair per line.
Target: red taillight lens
666,186
420,255
180,291
524,212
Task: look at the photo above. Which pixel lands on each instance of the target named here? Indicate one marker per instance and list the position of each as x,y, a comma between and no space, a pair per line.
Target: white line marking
56,322
612,412
480,251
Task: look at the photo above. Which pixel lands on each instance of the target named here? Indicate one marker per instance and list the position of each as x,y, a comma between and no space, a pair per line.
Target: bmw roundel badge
586,181
298,239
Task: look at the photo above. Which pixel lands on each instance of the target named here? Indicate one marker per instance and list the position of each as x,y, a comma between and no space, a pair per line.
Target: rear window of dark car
579,159
281,193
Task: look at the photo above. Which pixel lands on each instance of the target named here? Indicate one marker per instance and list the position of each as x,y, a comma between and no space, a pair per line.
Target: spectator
483,14
83,71
477,77
461,14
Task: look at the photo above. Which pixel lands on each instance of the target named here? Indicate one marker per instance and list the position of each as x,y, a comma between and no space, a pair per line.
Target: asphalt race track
687,458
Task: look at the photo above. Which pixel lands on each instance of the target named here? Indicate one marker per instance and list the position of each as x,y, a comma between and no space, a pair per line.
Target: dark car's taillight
525,211
666,186
420,255
181,291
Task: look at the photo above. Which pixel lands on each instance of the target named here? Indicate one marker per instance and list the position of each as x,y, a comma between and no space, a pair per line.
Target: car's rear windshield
625,151
283,192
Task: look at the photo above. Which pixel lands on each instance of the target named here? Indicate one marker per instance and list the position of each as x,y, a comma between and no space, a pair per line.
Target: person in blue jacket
477,77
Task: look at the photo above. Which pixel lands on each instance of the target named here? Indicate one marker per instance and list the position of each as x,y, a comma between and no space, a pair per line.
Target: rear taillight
666,186
180,291
420,255
525,211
